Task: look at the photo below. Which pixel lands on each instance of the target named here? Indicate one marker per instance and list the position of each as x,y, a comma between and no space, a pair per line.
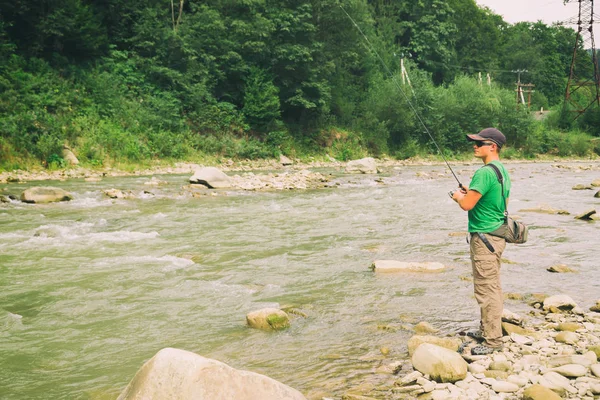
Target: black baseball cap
491,134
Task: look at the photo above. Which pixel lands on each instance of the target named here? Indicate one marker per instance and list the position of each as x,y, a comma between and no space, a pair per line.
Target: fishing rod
372,48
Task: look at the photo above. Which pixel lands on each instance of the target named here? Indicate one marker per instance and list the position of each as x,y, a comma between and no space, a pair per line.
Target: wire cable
372,48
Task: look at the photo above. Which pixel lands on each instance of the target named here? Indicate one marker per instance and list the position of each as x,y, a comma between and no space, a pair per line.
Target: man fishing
485,205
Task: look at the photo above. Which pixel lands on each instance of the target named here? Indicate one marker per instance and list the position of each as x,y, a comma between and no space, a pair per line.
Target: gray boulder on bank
450,343
69,157
174,374
362,166
212,177
283,160
45,194
442,365
561,301
539,392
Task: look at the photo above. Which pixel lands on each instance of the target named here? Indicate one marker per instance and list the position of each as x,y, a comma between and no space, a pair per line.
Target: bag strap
501,180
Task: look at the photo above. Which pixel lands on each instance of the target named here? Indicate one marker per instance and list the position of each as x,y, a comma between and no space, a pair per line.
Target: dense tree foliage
142,79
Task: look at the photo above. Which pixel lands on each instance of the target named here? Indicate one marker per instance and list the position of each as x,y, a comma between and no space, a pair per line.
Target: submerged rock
560,268
423,328
582,187
545,210
45,194
119,194
268,319
174,374
586,215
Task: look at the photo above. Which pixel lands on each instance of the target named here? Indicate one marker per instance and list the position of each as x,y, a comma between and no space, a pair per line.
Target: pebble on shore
558,360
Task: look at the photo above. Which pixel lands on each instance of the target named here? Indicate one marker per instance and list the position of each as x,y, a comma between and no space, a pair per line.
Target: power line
372,48
469,68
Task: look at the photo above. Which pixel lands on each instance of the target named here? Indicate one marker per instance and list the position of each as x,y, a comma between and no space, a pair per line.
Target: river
91,289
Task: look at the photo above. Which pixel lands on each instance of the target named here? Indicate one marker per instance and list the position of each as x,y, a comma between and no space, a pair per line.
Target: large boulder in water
212,177
174,374
45,194
362,166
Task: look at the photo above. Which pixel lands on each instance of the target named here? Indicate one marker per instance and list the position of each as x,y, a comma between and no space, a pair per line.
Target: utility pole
519,90
404,75
584,63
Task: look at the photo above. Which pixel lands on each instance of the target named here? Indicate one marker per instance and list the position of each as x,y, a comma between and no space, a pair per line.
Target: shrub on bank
116,112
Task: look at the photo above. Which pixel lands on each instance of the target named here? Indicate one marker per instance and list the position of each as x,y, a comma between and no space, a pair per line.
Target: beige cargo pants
488,289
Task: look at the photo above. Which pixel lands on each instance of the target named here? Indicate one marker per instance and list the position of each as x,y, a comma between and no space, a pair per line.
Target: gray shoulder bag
512,231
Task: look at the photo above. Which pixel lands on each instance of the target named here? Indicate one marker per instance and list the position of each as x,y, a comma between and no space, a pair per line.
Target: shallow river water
92,288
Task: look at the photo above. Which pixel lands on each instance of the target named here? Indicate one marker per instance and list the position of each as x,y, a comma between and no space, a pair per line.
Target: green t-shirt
488,213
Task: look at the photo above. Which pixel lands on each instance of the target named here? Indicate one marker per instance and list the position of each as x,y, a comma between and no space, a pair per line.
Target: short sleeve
481,181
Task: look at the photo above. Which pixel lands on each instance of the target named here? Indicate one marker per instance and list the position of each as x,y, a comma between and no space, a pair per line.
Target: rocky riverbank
551,353
244,166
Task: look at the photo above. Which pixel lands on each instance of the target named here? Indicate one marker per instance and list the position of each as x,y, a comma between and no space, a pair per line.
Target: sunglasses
481,144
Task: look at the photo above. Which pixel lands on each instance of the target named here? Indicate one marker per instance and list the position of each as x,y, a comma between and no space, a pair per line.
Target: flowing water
92,288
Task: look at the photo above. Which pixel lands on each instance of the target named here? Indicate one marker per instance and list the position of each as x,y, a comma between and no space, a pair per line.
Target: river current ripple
91,289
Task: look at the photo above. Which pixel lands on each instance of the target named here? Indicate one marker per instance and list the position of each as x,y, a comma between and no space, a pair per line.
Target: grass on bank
342,145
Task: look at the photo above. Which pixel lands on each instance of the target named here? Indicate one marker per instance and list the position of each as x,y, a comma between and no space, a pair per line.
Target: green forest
136,81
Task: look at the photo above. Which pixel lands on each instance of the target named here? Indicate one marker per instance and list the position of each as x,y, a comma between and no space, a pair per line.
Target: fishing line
372,48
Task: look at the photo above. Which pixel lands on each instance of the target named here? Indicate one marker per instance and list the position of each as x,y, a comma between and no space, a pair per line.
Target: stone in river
45,194
362,166
400,266
423,328
582,187
268,319
560,268
586,215
182,375
211,177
